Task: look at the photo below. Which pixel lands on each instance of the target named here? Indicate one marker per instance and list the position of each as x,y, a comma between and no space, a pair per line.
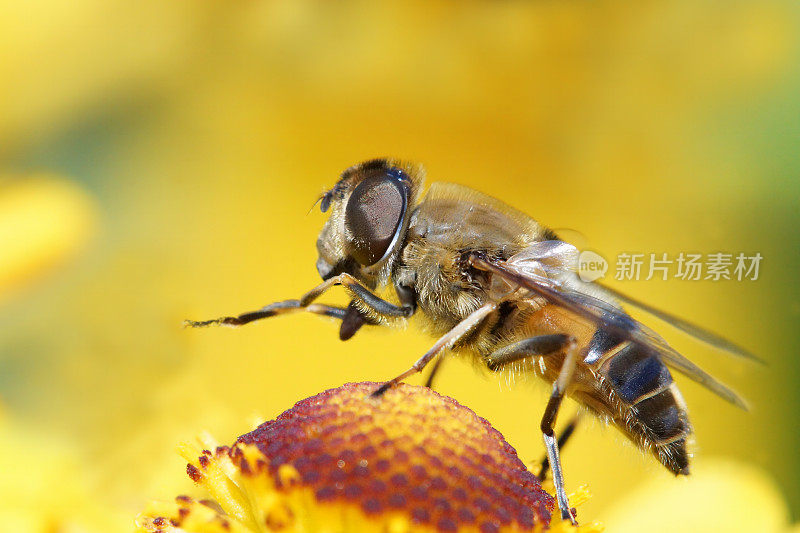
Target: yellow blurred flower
720,495
44,220
340,461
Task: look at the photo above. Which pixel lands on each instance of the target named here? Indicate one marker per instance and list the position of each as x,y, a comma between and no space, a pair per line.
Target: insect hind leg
548,419
562,440
539,346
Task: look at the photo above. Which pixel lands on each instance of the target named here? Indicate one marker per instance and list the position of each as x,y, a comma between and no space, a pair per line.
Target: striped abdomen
651,410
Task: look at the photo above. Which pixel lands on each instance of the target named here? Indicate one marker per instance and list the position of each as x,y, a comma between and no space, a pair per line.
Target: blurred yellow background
158,160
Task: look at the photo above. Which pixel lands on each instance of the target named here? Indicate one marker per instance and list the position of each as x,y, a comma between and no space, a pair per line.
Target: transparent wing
604,314
701,334
554,257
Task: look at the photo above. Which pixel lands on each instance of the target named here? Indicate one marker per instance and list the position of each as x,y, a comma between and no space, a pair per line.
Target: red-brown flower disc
412,452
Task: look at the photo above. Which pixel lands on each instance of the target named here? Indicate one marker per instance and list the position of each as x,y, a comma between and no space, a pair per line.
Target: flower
343,461
720,495
44,221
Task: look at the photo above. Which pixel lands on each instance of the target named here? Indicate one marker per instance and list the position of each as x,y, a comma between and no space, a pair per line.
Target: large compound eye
373,215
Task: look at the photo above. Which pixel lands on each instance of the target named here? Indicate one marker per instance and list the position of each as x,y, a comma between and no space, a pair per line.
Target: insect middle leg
532,347
448,340
437,366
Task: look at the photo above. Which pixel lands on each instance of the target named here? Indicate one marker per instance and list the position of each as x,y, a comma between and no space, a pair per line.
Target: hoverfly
493,283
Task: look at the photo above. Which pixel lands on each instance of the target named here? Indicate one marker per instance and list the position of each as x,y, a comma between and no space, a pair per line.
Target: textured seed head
344,461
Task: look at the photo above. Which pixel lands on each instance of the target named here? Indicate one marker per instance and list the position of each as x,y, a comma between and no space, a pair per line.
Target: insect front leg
352,321
352,318
446,341
380,307
548,419
273,309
